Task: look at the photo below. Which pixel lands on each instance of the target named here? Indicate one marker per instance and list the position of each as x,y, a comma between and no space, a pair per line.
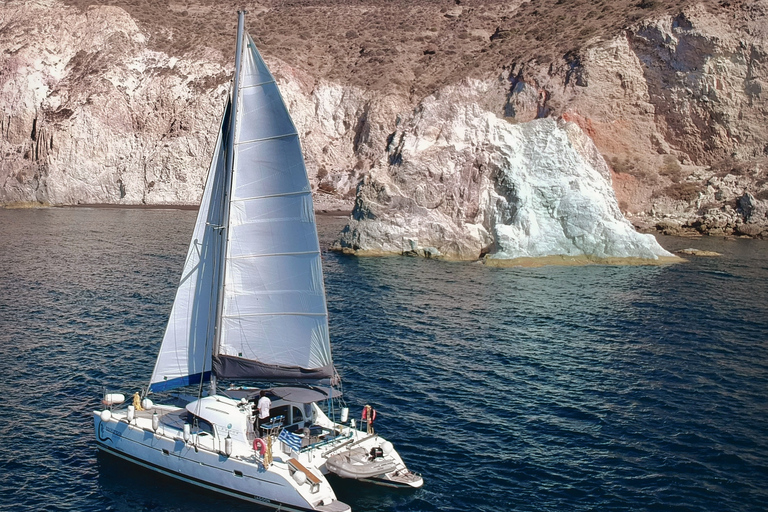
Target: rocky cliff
459,182
96,110
677,105
92,114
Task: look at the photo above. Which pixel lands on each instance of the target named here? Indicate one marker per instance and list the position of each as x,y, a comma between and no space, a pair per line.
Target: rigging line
274,137
269,196
298,253
194,269
258,84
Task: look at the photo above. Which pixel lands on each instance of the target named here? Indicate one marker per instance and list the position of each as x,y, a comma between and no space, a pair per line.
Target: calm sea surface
559,388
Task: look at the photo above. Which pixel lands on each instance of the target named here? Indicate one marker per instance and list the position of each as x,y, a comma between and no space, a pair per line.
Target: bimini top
299,395
304,395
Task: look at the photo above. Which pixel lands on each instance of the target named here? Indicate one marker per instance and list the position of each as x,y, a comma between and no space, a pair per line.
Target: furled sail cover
274,323
185,354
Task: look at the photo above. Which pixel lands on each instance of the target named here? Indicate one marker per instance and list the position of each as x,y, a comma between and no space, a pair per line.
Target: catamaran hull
206,485
213,471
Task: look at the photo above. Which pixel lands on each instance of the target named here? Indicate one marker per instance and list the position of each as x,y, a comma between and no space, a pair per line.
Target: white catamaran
250,308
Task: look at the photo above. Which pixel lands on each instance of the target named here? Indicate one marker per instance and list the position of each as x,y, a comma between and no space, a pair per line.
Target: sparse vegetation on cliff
413,46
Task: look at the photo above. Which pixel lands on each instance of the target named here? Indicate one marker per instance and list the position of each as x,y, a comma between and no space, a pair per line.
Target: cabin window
297,416
199,425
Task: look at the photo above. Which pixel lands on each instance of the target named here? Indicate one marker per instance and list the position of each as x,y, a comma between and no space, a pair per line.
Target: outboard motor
376,453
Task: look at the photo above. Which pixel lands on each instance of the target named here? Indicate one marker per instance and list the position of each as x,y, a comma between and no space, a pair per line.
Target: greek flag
292,440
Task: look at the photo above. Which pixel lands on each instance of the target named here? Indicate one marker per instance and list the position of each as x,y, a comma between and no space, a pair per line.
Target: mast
230,167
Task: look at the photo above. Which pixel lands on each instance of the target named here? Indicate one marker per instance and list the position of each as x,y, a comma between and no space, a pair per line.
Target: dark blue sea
548,389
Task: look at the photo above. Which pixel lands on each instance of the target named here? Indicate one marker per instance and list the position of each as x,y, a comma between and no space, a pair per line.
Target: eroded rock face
89,114
669,103
459,182
690,85
342,129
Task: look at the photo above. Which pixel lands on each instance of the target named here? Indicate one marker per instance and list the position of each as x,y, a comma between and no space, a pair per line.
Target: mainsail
271,320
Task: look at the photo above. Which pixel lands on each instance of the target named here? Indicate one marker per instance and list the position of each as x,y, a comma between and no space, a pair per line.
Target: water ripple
562,388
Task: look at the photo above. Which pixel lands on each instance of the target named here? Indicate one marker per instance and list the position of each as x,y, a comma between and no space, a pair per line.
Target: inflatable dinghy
358,464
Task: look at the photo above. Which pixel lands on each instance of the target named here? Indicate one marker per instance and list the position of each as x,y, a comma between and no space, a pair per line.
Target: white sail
274,321
185,354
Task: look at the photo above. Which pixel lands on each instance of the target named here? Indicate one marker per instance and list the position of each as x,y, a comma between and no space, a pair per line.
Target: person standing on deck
263,406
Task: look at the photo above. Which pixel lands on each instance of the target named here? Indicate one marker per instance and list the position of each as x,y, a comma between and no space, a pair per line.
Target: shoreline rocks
698,252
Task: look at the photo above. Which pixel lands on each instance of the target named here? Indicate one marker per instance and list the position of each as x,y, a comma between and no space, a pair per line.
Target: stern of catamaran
320,422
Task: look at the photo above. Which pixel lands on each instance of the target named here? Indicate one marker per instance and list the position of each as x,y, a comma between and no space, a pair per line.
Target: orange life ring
260,445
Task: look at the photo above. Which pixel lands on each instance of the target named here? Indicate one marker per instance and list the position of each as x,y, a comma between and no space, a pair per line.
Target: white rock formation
91,115
458,182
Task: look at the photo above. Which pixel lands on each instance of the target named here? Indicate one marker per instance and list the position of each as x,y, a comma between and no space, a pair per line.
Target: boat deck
172,417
